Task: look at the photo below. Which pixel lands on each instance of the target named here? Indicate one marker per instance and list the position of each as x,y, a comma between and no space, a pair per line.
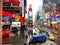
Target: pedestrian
30,33
6,24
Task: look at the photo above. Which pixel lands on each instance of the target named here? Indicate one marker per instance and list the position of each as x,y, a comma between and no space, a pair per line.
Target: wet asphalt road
20,40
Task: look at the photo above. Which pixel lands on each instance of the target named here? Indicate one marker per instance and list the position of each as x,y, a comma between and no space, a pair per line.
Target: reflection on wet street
13,40
20,40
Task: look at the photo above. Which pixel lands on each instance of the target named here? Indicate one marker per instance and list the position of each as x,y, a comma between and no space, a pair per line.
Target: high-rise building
30,15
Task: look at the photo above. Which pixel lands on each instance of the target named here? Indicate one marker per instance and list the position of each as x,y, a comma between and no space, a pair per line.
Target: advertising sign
41,18
58,15
5,17
58,20
17,18
53,18
16,24
30,18
53,22
47,16
30,13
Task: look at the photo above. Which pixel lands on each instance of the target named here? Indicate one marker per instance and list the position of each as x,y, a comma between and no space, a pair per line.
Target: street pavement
48,42
13,40
17,40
